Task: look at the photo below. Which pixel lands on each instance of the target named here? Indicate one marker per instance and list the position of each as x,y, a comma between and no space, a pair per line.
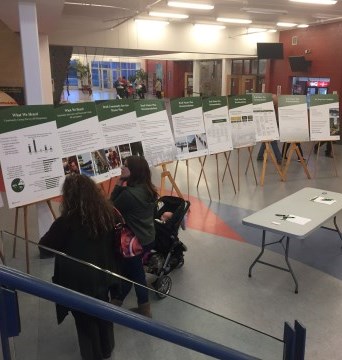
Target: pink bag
130,244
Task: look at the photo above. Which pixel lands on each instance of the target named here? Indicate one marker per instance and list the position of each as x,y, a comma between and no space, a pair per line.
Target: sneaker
298,160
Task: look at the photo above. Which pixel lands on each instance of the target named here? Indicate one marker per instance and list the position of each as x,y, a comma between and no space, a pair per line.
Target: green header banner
147,107
184,104
214,102
236,101
67,114
261,98
291,100
317,100
112,108
20,117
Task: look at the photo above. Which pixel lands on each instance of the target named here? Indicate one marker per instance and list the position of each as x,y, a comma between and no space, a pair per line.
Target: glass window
237,67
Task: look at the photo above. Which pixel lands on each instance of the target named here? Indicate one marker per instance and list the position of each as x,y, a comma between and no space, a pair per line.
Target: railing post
300,331
289,342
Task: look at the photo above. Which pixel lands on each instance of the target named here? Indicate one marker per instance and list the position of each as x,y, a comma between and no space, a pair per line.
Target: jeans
275,148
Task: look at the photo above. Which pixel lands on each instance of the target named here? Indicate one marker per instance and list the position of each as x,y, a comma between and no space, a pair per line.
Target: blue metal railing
16,280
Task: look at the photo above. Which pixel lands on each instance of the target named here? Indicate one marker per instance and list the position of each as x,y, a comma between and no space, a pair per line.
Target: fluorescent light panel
303,26
234,21
187,5
209,27
168,15
264,11
285,24
318,2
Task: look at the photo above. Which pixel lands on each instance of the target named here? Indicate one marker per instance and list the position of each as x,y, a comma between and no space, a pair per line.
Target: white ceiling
99,15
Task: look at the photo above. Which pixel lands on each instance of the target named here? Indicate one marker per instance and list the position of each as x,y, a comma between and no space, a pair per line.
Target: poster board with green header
30,154
324,117
188,127
155,131
120,130
241,118
293,118
265,117
217,124
82,140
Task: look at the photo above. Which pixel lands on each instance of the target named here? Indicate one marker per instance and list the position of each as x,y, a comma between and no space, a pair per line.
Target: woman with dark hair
85,230
136,202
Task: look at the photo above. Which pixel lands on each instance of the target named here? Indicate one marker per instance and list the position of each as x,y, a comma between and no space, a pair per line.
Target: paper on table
324,200
298,219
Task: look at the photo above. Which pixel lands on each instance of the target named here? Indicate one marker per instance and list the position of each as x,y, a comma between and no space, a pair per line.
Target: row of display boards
41,144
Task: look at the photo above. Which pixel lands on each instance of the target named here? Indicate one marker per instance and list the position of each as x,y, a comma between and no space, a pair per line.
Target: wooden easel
269,151
294,148
228,167
203,172
25,208
166,174
317,155
187,175
250,161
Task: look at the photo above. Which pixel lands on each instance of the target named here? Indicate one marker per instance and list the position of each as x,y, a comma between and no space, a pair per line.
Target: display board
155,130
217,124
82,141
264,117
241,118
324,117
120,130
30,153
188,127
293,118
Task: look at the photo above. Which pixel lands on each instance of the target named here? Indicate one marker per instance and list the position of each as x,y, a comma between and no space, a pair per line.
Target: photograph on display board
182,145
100,162
334,117
113,157
86,164
70,165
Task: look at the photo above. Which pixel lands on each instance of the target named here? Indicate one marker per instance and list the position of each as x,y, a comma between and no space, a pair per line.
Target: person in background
85,230
158,88
136,203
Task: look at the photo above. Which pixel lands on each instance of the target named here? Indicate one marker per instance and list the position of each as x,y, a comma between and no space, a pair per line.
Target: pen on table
284,216
314,198
325,199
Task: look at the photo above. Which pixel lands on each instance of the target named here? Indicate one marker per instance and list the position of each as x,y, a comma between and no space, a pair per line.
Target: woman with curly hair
134,196
85,230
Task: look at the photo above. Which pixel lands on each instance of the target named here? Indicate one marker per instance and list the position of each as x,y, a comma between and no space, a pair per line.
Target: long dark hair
84,202
140,174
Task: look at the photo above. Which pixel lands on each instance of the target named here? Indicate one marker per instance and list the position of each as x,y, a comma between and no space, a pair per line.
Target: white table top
300,204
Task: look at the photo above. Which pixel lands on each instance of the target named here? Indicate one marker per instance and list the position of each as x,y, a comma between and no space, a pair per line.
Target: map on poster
82,141
264,117
241,118
120,130
188,127
293,118
30,153
324,117
217,124
155,130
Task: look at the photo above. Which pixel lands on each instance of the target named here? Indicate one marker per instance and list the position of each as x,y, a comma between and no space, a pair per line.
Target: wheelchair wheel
163,286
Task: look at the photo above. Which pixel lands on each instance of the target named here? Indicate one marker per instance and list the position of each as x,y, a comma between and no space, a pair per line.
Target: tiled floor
220,250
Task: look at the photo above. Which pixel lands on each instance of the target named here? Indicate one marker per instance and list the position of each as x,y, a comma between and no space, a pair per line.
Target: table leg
337,228
259,256
288,263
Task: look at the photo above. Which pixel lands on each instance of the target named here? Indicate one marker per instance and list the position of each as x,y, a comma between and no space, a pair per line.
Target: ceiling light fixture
96,5
209,27
264,11
168,15
303,26
186,5
286,24
234,21
317,2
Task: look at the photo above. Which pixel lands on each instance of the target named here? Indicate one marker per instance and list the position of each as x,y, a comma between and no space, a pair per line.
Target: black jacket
136,205
71,237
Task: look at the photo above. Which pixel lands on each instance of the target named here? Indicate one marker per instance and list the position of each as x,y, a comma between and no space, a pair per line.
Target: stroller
168,251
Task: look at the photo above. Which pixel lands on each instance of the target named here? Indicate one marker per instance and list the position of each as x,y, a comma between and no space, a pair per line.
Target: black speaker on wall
299,64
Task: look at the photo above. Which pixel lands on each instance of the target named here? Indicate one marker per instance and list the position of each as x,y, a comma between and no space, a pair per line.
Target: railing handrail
17,280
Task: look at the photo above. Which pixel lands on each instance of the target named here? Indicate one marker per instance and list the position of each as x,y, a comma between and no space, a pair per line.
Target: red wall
173,75
324,43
